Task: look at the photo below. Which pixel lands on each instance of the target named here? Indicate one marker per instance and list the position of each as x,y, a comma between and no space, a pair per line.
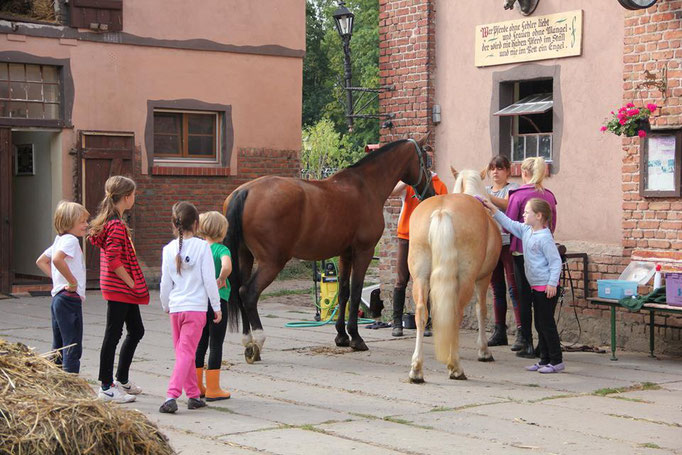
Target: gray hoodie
542,262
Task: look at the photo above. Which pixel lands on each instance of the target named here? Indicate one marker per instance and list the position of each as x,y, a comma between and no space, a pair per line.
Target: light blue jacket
542,262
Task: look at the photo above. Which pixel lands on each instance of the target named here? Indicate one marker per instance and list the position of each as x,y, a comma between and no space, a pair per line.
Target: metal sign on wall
533,38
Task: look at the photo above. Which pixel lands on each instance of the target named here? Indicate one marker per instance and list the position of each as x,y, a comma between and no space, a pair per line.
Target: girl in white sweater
187,282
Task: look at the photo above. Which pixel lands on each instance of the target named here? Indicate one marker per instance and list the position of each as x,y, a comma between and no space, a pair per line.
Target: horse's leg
361,260
420,293
245,268
264,275
342,338
484,354
454,366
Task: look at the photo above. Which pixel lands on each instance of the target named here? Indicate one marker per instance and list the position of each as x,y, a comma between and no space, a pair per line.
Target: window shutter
102,15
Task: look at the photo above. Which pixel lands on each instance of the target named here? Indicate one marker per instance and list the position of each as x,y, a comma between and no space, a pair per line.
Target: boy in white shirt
63,262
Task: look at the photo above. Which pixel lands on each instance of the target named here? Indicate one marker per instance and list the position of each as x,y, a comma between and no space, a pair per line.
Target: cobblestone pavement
307,396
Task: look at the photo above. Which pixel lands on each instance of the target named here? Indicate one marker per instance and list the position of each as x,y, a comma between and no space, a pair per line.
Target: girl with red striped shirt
123,286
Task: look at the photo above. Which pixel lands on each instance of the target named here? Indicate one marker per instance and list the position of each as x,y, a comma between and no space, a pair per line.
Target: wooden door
6,173
101,155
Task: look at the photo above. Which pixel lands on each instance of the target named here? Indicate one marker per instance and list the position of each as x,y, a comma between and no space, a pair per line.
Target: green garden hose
302,324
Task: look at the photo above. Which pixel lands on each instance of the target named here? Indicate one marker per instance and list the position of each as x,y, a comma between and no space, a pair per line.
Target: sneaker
169,406
114,394
534,367
129,387
195,403
549,368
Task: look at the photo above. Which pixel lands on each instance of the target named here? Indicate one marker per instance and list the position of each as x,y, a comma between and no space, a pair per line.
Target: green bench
650,307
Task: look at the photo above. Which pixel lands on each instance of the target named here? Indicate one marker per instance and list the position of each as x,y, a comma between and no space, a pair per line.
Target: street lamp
344,25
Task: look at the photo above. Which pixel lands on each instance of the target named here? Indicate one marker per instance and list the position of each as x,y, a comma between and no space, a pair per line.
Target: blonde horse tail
443,283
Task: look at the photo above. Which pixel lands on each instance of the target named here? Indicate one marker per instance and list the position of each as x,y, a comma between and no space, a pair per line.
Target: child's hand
550,291
489,205
217,316
221,283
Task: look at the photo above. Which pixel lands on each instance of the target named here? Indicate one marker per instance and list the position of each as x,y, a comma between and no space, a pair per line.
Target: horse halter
424,165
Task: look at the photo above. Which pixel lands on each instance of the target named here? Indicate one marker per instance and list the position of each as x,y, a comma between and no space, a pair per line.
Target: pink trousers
187,327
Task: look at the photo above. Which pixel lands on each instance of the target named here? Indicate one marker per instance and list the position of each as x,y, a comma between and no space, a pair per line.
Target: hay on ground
45,410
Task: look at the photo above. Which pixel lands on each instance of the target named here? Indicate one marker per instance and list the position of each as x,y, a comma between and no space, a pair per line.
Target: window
186,135
29,91
531,119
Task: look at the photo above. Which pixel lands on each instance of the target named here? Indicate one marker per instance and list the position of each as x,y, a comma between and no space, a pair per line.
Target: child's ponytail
535,167
185,218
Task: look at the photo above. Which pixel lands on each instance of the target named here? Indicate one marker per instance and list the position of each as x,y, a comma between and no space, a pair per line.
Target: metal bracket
526,7
651,80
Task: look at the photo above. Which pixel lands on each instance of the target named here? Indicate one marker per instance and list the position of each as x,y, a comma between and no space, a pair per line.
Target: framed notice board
660,163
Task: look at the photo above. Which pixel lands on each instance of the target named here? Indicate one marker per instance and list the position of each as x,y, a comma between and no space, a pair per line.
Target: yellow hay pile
44,410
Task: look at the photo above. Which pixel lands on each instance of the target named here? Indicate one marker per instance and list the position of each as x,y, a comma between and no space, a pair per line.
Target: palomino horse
454,247
272,219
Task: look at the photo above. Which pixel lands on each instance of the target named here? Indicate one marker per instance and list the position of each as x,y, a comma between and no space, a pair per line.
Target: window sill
191,171
516,169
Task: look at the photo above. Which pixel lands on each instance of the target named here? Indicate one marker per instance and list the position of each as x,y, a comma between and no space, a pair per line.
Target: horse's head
418,173
469,182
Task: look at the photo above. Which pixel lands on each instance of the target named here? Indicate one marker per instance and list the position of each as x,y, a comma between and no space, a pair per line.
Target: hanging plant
630,120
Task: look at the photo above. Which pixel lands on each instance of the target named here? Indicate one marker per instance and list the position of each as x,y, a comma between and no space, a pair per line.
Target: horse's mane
469,182
376,154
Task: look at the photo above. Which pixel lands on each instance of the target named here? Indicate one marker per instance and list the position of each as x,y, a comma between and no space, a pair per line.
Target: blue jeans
67,328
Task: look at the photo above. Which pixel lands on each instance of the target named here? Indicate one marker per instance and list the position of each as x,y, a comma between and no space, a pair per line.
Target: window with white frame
29,91
531,117
186,135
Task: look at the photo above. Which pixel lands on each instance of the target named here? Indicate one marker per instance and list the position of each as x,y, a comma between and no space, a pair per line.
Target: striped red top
117,250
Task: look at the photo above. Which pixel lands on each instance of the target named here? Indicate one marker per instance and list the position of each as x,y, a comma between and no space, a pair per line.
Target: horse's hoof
486,359
358,345
252,353
342,341
460,377
416,378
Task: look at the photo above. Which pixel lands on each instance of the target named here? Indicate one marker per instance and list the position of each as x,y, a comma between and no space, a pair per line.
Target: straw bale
45,410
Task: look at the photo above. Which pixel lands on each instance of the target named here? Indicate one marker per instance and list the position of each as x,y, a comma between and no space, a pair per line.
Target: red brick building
189,101
428,54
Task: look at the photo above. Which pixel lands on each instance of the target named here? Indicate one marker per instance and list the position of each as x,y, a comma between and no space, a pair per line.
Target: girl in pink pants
187,283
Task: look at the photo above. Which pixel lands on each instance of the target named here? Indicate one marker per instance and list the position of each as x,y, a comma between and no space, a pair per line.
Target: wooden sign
533,38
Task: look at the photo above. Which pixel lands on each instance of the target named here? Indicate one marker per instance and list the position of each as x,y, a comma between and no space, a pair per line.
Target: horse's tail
443,283
234,241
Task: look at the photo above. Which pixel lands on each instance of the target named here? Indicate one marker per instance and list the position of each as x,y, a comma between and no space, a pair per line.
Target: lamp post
344,25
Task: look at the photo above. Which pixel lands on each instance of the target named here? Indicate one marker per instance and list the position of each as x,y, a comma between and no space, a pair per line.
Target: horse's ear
484,173
423,139
454,171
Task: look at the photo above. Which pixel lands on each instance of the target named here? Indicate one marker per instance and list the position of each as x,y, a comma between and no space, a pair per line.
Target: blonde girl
213,228
123,287
533,174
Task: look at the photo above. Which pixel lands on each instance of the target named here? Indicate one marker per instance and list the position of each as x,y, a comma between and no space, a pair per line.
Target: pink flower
629,105
641,133
602,129
632,112
622,109
652,107
613,113
622,121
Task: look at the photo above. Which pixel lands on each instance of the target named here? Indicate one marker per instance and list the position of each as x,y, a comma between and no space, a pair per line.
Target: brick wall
158,193
407,54
652,227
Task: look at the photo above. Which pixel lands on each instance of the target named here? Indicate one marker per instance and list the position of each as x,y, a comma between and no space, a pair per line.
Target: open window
529,119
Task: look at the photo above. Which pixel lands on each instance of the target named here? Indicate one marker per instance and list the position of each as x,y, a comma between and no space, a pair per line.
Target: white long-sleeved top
195,285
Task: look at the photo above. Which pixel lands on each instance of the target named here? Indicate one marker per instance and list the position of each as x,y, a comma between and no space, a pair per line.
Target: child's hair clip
186,258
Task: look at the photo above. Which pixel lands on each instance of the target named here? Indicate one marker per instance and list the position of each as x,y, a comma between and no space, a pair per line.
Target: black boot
518,343
398,307
427,328
527,351
499,337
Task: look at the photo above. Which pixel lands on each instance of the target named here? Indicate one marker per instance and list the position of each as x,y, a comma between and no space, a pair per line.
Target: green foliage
321,149
323,93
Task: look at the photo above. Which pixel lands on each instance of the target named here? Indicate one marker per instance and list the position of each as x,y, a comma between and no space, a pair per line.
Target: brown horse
273,219
454,247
